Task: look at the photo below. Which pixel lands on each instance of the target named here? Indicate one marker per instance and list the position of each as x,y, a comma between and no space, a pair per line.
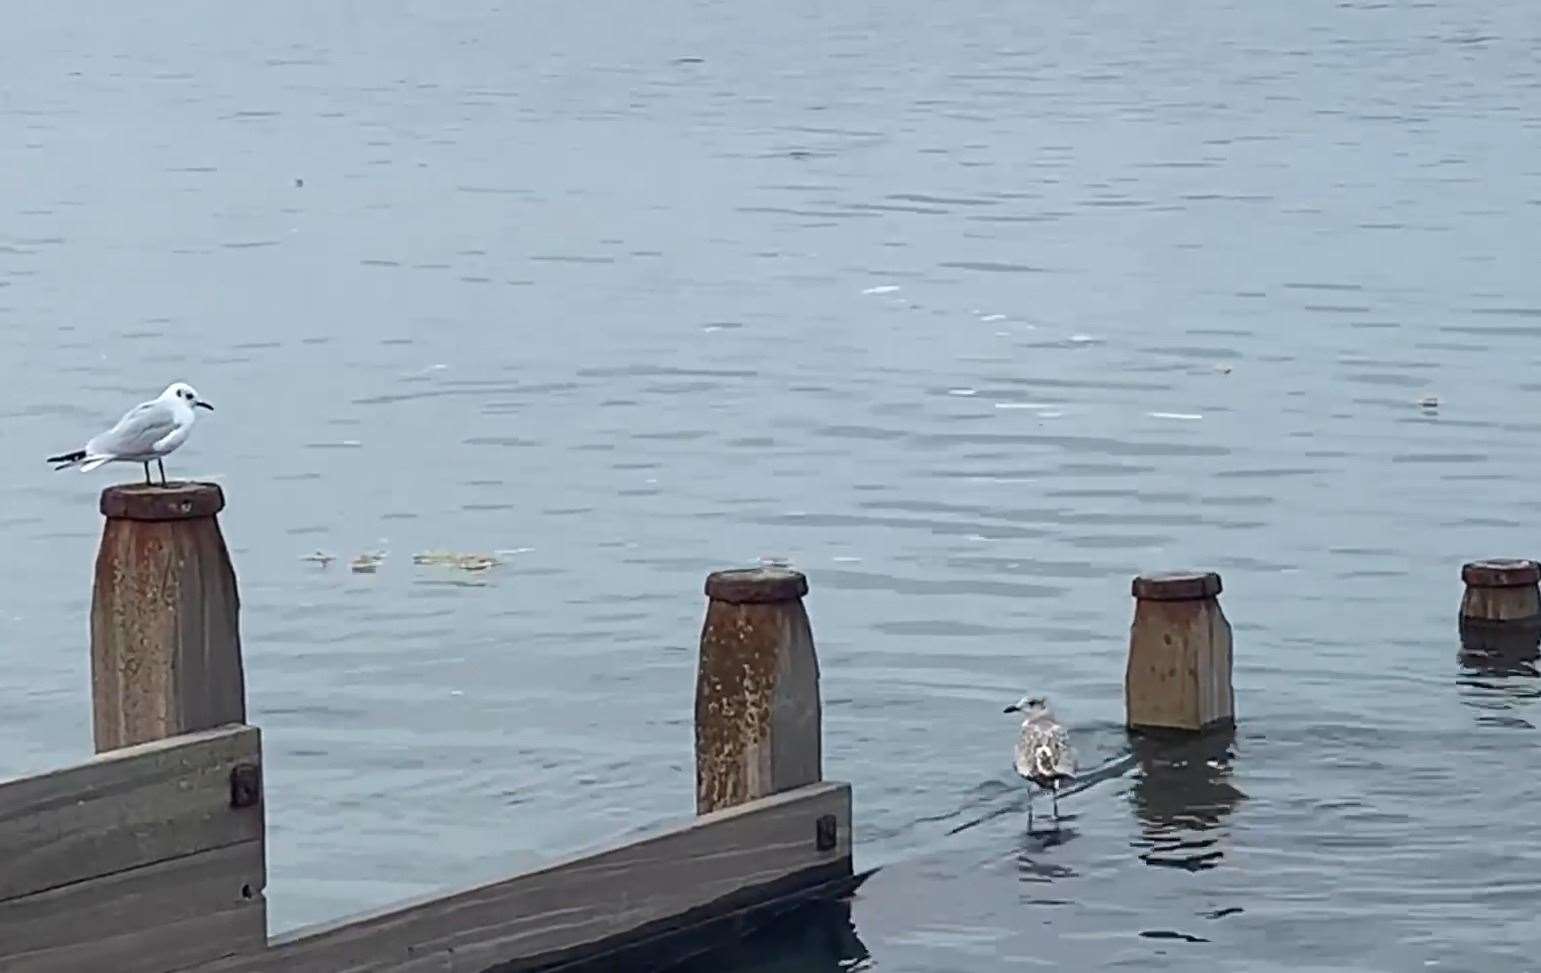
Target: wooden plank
124,809
160,917
583,906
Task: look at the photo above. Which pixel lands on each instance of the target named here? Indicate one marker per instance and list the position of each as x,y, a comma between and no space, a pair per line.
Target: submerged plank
715,864
159,917
124,809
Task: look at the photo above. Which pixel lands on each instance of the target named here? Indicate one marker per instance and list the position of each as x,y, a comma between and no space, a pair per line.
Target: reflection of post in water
1498,650
817,937
1183,795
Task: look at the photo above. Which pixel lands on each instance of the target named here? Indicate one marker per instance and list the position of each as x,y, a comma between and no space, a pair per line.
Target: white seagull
1043,755
150,430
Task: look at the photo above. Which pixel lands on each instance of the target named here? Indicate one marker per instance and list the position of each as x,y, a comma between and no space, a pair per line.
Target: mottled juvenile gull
150,430
1043,755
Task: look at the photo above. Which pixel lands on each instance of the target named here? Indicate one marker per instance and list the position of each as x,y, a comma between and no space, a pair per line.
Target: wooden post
165,639
1179,674
757,689
1501,609
1501,590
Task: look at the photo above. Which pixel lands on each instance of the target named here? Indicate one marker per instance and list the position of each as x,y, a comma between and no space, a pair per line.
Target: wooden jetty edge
151,857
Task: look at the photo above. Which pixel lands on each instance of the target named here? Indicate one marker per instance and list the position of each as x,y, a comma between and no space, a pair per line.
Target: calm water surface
970,310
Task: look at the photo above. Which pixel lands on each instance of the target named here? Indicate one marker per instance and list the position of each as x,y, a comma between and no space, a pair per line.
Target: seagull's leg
1029,808
163,470
147,480
1055,792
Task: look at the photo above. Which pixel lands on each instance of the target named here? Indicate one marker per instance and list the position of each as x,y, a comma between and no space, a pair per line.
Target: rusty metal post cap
1176,586
1501,573
178,501
750,586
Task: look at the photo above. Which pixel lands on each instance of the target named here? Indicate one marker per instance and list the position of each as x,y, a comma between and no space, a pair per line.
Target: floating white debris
775,561
511,551
882,289
1189,416
962,391
1429,402
1084,339
319,557
845,559
462,562
993,317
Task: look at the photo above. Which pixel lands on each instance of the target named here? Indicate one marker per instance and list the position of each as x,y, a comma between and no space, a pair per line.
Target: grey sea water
970,310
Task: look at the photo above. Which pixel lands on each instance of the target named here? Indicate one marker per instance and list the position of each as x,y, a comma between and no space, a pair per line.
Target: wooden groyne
151,857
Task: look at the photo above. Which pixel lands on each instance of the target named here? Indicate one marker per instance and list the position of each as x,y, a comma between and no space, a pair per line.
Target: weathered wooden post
165,640
1501,590
757,689
1501,608
1179,673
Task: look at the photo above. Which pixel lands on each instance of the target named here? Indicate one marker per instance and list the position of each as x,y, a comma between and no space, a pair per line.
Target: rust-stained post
757,689
1501,609
165,640
1179,674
